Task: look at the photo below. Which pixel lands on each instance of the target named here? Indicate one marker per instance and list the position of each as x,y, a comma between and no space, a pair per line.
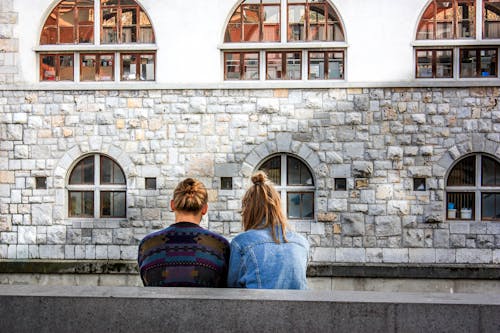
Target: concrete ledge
424,271
129,309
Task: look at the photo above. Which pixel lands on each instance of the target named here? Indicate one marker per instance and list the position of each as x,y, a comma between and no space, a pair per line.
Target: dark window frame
98,64
284,64
57,66
486,21
138,72
434,63
241,65
477,72
326,64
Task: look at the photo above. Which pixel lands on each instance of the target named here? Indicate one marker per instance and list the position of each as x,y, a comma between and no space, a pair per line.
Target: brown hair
261,207
190,195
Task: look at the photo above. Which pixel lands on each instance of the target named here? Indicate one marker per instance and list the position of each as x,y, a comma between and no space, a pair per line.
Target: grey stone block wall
378,139
9,44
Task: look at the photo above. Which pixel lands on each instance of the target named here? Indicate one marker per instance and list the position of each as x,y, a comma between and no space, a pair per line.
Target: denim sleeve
236,266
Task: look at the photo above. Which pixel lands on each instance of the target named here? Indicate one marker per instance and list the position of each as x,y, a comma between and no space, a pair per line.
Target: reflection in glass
111,173
83,172
112,204
463,173
81,204
490,172
272,168
297,172
300,205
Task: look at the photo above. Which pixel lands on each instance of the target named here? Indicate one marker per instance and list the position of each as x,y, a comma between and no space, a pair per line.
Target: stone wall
378,139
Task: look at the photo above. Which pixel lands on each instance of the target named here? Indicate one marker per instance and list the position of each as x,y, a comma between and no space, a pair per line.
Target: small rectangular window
478,63
41,182
138,67
81,204
226,183
463,202
96,67
113,204
419,184
326,65
490,206
56,67
283,65
150,183
491,19
340,184
300,205
241,65
434,63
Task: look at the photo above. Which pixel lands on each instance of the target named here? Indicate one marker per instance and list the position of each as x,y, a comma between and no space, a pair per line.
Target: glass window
491,17
478,63
241,65
472,189
448,20
326,65
434,63
56,67
124,21
293,180
105,194
96,67
69,22
255,21
284,65
138,67
313,20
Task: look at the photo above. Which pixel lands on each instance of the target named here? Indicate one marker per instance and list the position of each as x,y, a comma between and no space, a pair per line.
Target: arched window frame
96,190
145,69
473,57
285,189
336,45
471,196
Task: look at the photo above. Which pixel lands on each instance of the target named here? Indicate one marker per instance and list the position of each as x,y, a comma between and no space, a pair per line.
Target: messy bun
259,178
190,195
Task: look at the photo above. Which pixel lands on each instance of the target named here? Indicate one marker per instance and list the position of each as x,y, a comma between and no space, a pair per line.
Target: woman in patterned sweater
185,254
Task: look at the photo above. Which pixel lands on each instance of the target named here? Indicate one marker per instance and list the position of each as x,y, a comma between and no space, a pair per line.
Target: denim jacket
260,263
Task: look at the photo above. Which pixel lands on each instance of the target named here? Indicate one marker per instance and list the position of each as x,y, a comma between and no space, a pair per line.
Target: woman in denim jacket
267,255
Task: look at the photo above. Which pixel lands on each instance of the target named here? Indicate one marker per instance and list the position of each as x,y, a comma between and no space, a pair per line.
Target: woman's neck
181,216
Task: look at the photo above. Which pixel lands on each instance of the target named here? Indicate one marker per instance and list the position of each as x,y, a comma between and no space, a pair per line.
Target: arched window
448,20
473,189
97,188
97,24
257,21
294,181
443,24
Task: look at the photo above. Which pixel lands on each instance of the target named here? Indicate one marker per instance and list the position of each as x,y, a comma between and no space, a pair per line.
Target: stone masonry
378,139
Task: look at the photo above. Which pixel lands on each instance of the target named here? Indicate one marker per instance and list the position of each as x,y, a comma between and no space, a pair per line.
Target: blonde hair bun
259,178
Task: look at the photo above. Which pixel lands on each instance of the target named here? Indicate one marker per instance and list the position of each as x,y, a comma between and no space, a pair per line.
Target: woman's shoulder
251,236
295,237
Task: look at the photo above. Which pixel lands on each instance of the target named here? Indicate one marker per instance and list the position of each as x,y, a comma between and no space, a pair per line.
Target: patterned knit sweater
184,255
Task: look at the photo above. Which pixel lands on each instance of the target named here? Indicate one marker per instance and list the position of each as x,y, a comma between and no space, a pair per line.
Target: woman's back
257,261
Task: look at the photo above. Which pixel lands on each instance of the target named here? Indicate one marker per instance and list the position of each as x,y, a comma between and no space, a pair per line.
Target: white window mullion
477,199
97,191
479,19
284,171
97,22
284,20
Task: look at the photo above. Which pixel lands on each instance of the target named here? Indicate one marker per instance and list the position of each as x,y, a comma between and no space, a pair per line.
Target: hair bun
259,178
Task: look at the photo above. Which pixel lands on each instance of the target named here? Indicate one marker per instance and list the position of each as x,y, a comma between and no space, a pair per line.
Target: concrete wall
100,309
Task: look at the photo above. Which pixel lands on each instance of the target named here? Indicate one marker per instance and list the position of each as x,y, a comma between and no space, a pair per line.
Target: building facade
378,121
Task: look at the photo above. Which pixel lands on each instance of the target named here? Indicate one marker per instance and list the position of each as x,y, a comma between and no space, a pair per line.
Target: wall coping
366,270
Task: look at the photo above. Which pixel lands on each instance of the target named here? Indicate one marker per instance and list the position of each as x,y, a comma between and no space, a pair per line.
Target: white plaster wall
379,34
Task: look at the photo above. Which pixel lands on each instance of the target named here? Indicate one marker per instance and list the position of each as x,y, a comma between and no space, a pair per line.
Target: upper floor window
293,180
491,19
97,24
308,21
97,188
473,189
448,20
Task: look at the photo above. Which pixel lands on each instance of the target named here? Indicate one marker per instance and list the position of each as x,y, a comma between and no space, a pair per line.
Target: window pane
492,19
271,22
293,65
129,25
424,64
129,67
88,67
109,26
466,18
317,22
444,63
335,65
233,31
232,66
113,204
490,172
464,173
316,65
274,65
66,71
85,25
488,63
490,206
296,22
293,205
147,67
462,201
66,24
106,68
47,68
298,173
251,19
81,204
307,205
468,63
272,168
111,173
251,66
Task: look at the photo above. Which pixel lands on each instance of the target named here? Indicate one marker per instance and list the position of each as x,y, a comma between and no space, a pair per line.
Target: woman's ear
172,206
